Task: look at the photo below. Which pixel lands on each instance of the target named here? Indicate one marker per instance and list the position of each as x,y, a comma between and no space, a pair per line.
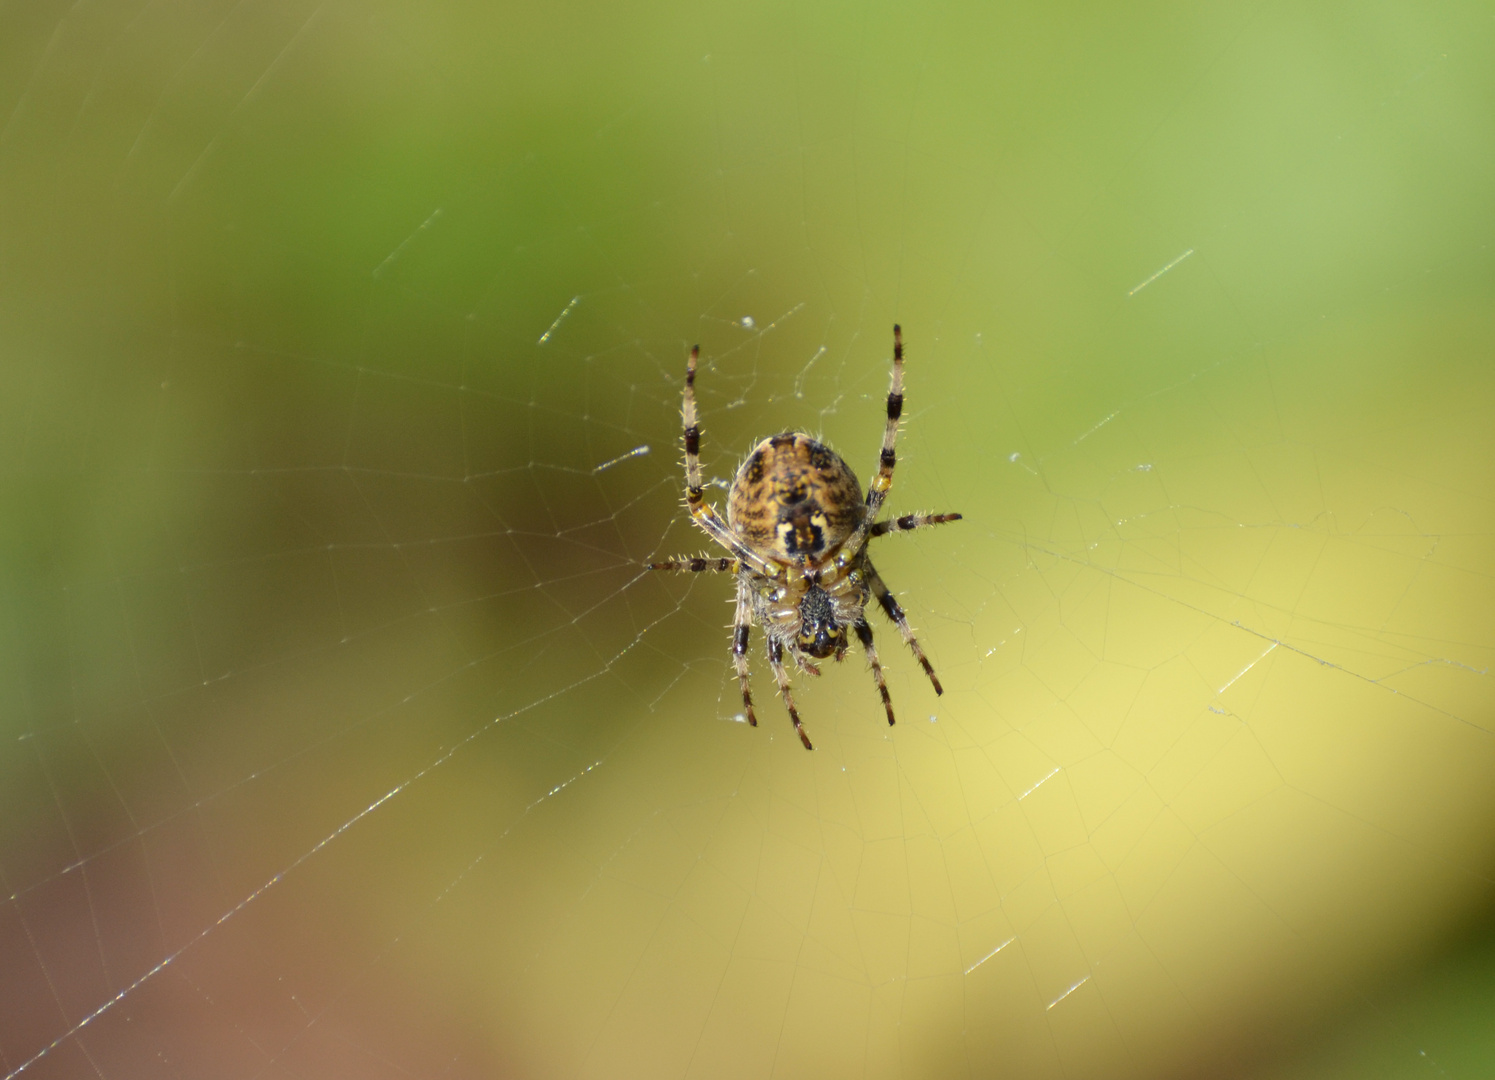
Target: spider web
344,733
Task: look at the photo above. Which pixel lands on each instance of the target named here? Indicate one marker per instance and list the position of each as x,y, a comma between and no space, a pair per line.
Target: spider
797,529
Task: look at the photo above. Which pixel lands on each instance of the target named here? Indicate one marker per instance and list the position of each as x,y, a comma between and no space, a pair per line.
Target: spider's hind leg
882,483
697,564
702,512
910,522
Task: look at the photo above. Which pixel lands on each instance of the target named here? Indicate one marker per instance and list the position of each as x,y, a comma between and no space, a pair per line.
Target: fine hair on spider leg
796,529
910,522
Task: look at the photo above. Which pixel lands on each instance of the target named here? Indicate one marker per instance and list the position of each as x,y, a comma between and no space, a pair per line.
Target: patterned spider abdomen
794,498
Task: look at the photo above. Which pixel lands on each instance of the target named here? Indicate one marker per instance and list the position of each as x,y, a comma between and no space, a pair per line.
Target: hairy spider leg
741,625
696,565
702,512
776,661
882,483
908,523
895,612
864,632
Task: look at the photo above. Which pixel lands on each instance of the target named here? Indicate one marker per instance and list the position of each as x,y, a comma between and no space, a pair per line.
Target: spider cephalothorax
798,527
821,631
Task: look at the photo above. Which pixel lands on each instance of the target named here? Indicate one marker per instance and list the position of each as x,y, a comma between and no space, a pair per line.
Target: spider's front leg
894,611
741,625
864,634
776,661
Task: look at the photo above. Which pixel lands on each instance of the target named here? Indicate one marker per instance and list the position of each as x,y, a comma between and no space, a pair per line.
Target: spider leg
864,632
909,522
696,564
882,483
741,625
895,612
776,661
702,512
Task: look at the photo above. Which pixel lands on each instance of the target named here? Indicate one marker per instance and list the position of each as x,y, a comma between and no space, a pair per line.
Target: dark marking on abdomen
800,533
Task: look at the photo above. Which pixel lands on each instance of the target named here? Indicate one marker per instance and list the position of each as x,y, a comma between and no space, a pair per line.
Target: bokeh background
343,735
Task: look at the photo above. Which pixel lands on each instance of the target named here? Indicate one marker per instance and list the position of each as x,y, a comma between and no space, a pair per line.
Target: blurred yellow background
344,735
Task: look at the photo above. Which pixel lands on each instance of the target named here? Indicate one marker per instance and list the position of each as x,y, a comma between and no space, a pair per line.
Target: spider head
820,634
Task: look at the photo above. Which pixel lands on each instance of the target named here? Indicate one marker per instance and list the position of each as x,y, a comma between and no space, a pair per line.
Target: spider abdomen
794,498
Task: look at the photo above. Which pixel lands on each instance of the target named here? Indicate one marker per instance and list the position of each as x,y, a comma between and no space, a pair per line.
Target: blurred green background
342,733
